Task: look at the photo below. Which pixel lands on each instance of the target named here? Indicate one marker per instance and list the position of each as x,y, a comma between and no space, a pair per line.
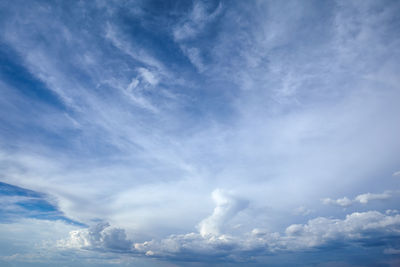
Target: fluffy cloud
359,227
362,198
366,228
302,211
227,206
100,236
370,228
344,202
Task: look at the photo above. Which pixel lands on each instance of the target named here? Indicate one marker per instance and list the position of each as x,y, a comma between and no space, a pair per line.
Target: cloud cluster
367,229
370,228
362,198
100,236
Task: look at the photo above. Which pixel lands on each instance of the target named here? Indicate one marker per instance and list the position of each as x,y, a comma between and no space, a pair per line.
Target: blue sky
199,133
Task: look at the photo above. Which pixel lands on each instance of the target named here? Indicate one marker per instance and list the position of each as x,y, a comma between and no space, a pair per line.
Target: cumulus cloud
303,211
391,211
370,228
99,236
365,198
227,206
362,198
344,202
209,241
365,227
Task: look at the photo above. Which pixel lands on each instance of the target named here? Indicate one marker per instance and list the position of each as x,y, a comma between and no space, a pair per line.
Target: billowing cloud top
199,133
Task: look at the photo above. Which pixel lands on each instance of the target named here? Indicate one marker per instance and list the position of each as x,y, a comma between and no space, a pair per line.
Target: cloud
148,76
194,56
396,173
100,111
99,236
40,242
135,52
365,227
362,198
344,202
391,251
365,198
34,237
303,211
195,21
370,228
193,24
227,206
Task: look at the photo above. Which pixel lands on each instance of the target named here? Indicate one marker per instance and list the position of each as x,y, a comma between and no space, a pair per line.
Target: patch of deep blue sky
16,114
24,203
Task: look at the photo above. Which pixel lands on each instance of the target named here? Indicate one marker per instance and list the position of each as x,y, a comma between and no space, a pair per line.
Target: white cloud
192,25
365,228
303,211
357,226
194,56
227,206
195,21
391,211
344,202
148,76
43,243
362,198
135,52
132,85
99,236
396,173
391,251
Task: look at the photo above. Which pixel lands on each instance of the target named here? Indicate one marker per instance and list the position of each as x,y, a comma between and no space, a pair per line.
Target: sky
199,133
